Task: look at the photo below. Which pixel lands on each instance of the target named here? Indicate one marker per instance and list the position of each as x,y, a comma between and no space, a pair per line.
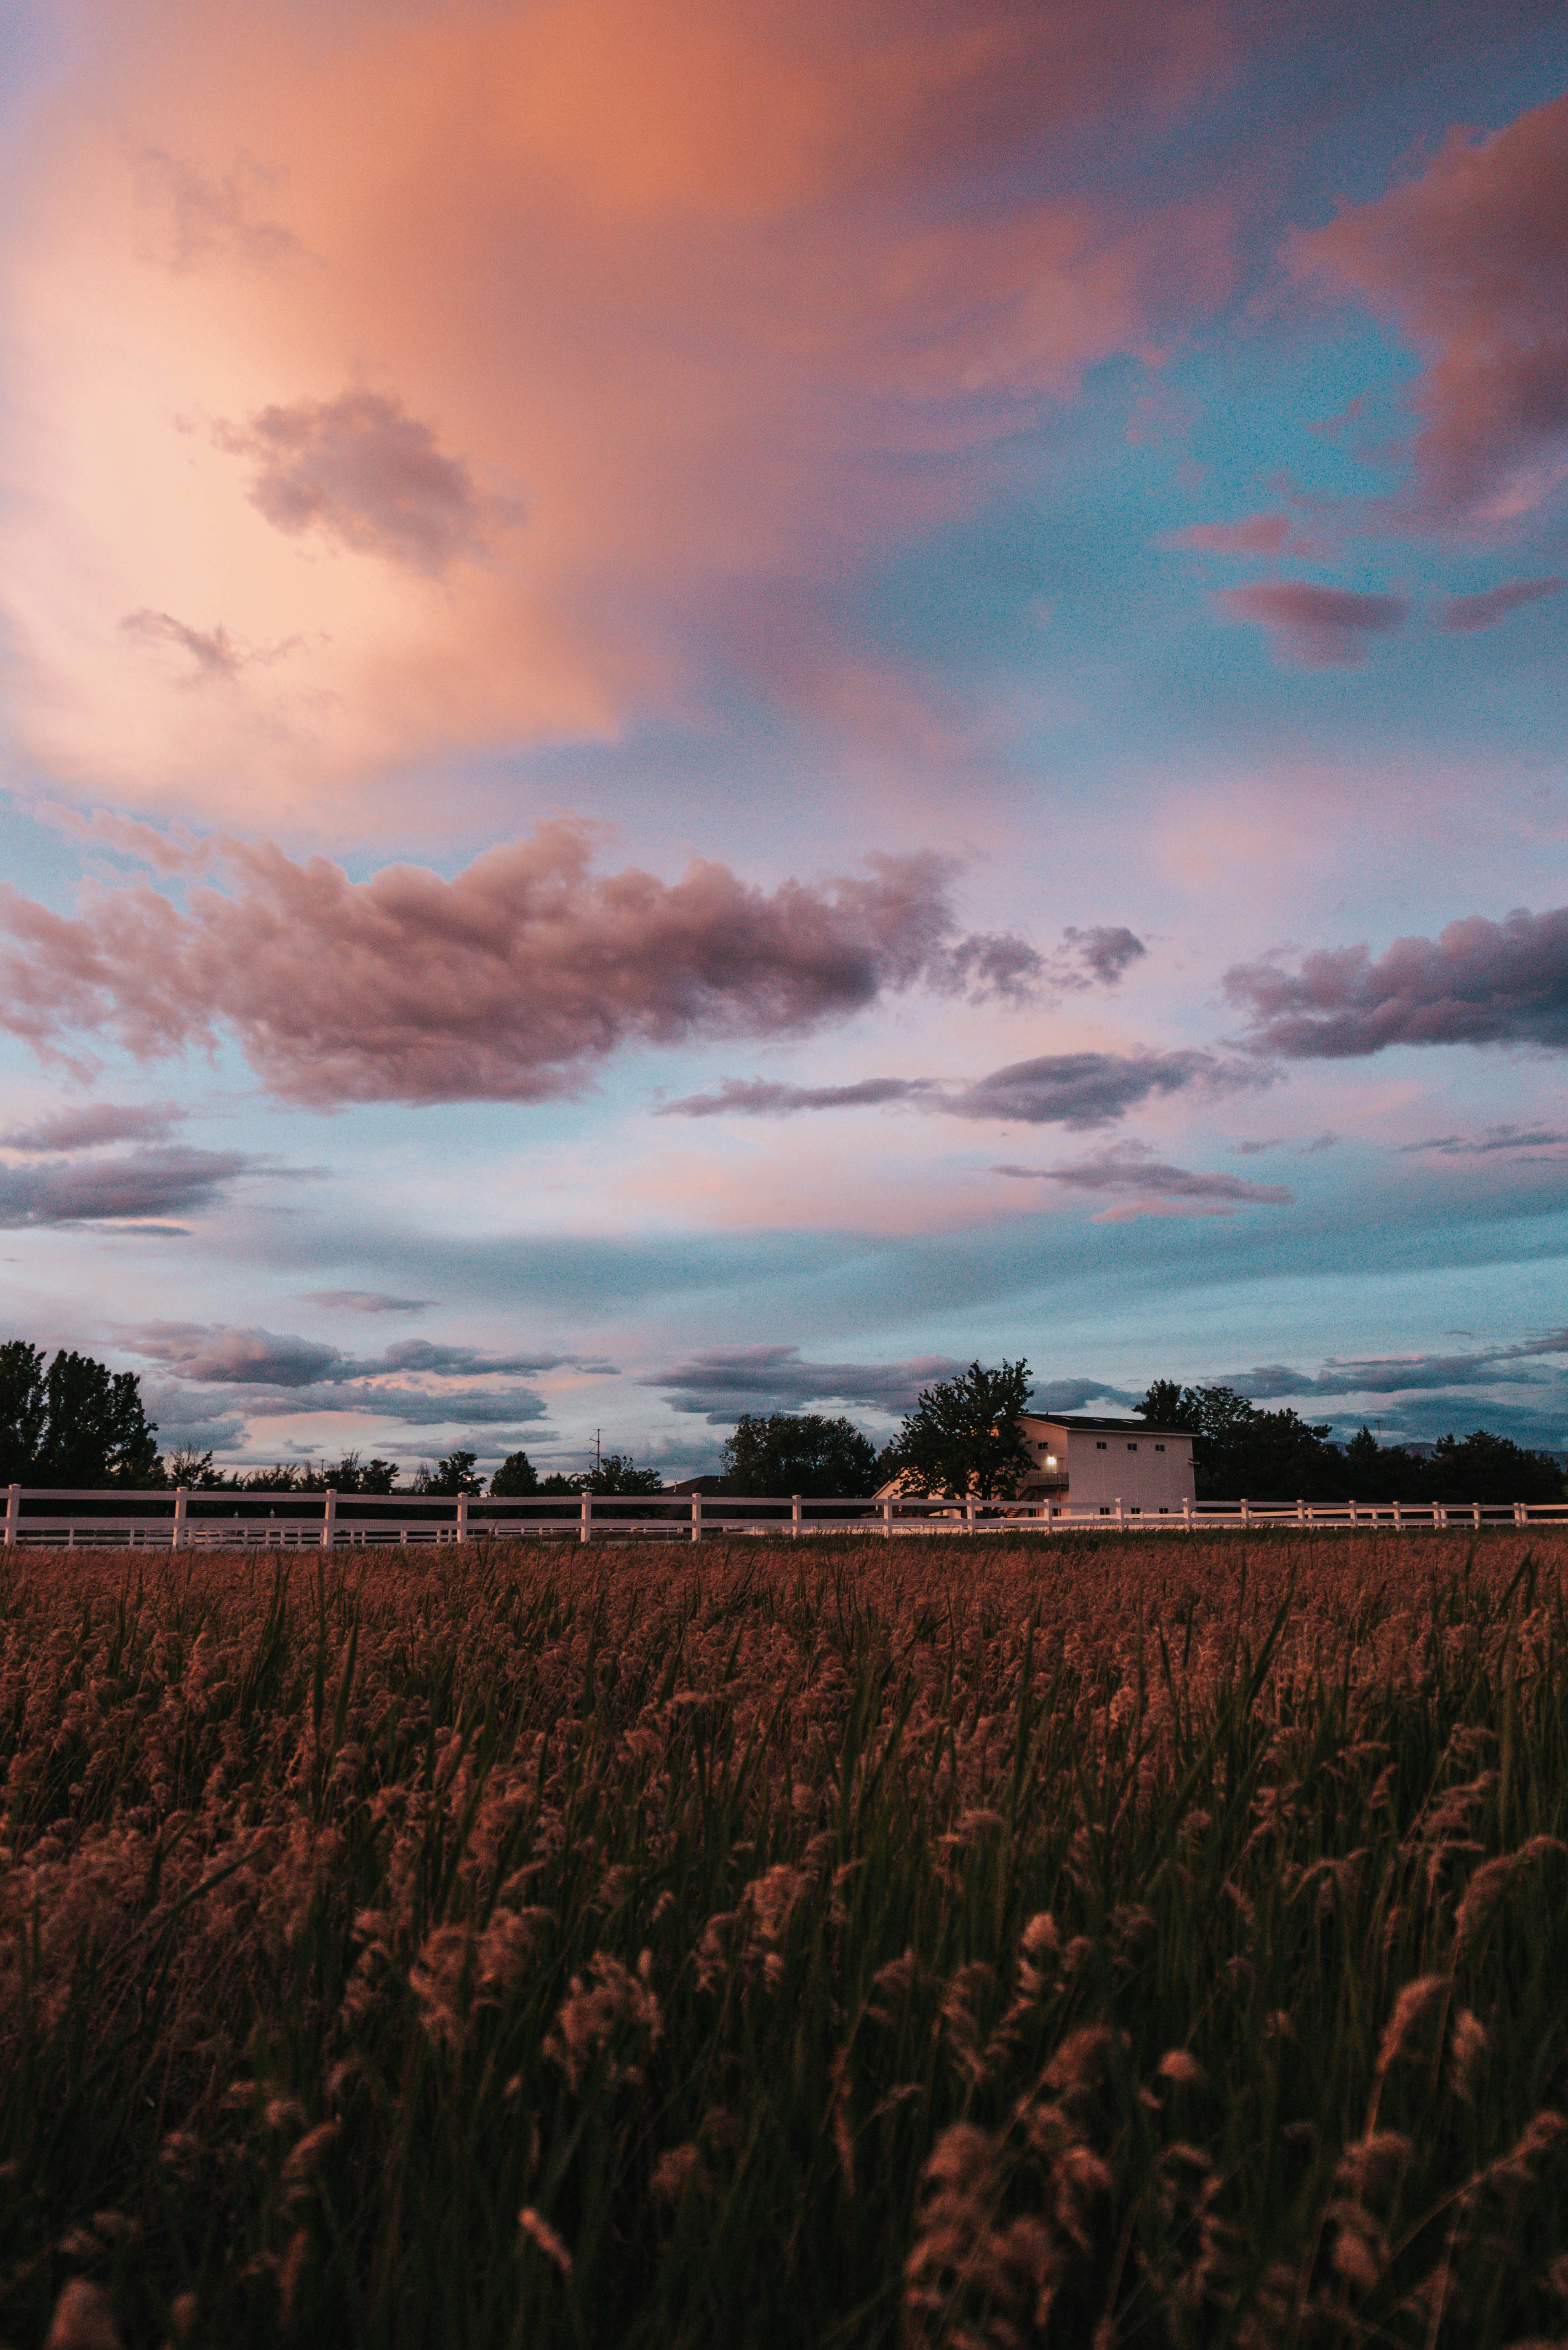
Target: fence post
1246,1514
888,1518
1399,1520
697,1517
586,1519
795,1517
177,1539
462,1517
1520,1516
329,1517
13,1515
968,1515
1301,1514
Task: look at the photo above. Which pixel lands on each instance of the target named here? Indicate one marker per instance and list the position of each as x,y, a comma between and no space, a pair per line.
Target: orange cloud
1470,264
398,380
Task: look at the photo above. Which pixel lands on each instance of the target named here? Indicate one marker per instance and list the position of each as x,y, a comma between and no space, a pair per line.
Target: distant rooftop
1091,1421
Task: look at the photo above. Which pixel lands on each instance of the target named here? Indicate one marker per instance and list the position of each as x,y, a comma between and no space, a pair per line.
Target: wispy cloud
94,1123
138,1185
1503,1137
1083,1091
762,1097
1494,604
366,1301
1153,1187
1321,627
724,1381
1403,1374
215,1354
1077,1090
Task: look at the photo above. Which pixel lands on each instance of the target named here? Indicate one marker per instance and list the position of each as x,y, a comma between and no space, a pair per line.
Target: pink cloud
1493,604
727,300
1478,983
1470,264
1153,1187
1322,628
1259,535
507,983
361,472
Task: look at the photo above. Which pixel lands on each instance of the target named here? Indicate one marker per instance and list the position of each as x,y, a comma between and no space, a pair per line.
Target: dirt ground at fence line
1068,1938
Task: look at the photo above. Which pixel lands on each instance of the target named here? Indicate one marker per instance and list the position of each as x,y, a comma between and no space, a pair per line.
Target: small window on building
1163,1510
1104,1506
1099,1444
1159,1448
1137,1513
1132,1448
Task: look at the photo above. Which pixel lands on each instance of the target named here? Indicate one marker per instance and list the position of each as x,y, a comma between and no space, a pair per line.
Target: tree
195,1471
353,1475
21,1411
1275,1456
1239,1451
516,1480
617,1472
1484,1468
965,1435
452,1474
77,1423
798,1452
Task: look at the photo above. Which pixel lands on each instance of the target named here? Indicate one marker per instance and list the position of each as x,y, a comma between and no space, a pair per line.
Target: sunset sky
706,708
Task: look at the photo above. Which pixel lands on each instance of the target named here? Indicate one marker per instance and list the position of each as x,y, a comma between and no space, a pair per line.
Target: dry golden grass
929,1942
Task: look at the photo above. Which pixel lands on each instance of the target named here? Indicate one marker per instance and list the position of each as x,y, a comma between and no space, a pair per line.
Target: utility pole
598,1463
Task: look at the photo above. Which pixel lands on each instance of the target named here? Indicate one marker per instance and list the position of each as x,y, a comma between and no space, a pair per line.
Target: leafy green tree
452,1474
965,1435
791,1452
516,1480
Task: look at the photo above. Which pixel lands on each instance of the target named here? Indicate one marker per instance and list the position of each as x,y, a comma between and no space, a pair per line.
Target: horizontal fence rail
193,1519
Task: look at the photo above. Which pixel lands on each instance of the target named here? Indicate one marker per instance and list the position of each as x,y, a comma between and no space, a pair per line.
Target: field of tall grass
1099,1943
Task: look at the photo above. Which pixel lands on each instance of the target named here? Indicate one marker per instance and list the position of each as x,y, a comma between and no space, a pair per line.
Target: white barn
1085,1463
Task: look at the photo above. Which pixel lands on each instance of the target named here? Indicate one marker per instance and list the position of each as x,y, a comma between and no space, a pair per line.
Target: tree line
75,1422
965,1436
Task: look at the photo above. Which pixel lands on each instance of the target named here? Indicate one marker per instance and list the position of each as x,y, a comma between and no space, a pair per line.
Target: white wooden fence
184,1520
